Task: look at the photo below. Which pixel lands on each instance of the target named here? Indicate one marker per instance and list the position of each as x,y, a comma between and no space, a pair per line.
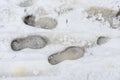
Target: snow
101,62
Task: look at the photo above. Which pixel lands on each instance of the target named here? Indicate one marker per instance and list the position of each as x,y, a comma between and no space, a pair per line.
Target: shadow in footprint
29,20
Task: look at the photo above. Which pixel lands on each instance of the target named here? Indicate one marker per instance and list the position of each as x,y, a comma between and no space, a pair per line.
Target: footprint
46,23
26,3
102,40
70,53
103,14
33,42
29,20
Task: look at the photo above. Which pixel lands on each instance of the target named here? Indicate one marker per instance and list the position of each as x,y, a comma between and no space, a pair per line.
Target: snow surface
101,62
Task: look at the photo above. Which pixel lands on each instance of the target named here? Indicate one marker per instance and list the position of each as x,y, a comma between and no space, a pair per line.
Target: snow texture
91,24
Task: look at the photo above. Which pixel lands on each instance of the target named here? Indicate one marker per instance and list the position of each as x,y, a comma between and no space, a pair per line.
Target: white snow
101,62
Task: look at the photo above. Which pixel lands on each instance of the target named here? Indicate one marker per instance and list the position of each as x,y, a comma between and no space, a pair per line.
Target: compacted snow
59,40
